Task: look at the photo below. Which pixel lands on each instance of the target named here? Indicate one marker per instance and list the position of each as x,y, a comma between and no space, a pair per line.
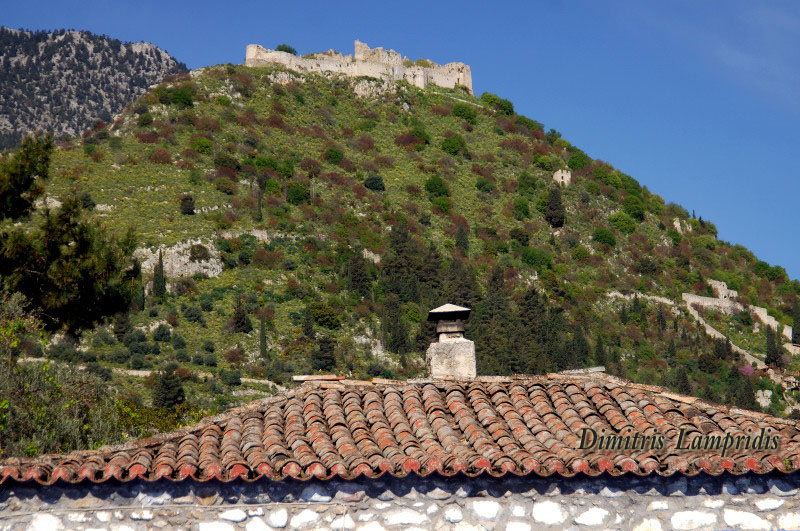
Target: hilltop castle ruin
369,62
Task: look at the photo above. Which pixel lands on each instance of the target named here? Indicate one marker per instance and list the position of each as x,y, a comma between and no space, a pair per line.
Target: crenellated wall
366,61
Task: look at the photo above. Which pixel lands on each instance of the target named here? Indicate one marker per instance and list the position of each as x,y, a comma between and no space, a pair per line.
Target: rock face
66,80
367,62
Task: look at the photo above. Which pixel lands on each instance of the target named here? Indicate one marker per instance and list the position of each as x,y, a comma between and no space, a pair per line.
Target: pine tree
579,350
121,325
168,390
796,323
159,279
396,330
555,213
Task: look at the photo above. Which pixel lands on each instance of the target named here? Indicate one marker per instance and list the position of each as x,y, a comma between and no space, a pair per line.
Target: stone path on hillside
146,373
710,330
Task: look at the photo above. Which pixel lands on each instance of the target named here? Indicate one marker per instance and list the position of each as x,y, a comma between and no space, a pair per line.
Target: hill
64,81
308,222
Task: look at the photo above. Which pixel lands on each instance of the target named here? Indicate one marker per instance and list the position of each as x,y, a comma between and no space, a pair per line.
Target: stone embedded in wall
721,290
563,177
366,62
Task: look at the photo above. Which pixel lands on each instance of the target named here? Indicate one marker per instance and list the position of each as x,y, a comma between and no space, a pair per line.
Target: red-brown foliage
335,178
278,108
310,166
207,124
228,173
538,134
369,166
384,161
413,190
235,355
97,156
270,259
146,137
506,124
364,143
161,156
359,191
441,110
274,120
185,165
408,141
484,171
347,165
246,118
516,144
189,153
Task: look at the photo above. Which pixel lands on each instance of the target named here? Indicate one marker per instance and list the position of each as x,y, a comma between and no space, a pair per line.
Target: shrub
178,342
161,156
162,333
323,315
497,103
374,182
181,96
537,258
443,203
484,185
521,208
634,207
530,125
227,161
333,155
144,119
283,47
193,314
605,236
201,144
622,222
225,185
146,138
209,346
187,205
526,183
579,161
454,145
466,112
436,187
199,253
297,193
580,253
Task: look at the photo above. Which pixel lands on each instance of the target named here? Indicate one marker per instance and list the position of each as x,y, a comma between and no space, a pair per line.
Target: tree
357,277
187,205
599,352
168,390
462,239
324,357
555,213
69,269
796,322
396,331
159,279
22,174
682,381
240,321
773,355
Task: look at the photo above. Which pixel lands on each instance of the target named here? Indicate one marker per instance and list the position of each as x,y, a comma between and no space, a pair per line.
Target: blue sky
700,101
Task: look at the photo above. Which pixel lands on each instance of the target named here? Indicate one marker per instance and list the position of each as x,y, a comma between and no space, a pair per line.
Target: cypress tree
324,357
662,321
579,350
773,355
796,322
462,239
159,279
396,331
240,321
555,213
308,325
600,352
262,337
682,381
357,277
121,326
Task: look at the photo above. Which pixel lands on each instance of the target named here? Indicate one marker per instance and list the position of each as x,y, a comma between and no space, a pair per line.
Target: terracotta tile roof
492,425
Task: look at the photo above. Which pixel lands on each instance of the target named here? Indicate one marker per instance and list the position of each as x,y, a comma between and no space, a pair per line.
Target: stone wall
508,503
378,63
563,177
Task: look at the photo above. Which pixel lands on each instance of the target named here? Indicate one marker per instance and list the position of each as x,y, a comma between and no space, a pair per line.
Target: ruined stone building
377,63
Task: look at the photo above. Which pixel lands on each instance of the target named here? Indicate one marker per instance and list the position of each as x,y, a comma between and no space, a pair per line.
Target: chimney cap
449,312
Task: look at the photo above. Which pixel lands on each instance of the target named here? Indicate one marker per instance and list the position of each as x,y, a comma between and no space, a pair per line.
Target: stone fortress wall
369,62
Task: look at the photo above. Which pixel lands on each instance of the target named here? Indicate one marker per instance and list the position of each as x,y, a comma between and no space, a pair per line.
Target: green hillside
319,226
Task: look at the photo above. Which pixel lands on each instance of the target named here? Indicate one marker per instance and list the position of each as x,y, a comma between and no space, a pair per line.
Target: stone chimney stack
452,356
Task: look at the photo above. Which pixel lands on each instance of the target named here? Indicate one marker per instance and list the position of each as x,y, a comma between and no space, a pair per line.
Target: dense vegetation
289,226
65,81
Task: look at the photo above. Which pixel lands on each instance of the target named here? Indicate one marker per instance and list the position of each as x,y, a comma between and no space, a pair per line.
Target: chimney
452,356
